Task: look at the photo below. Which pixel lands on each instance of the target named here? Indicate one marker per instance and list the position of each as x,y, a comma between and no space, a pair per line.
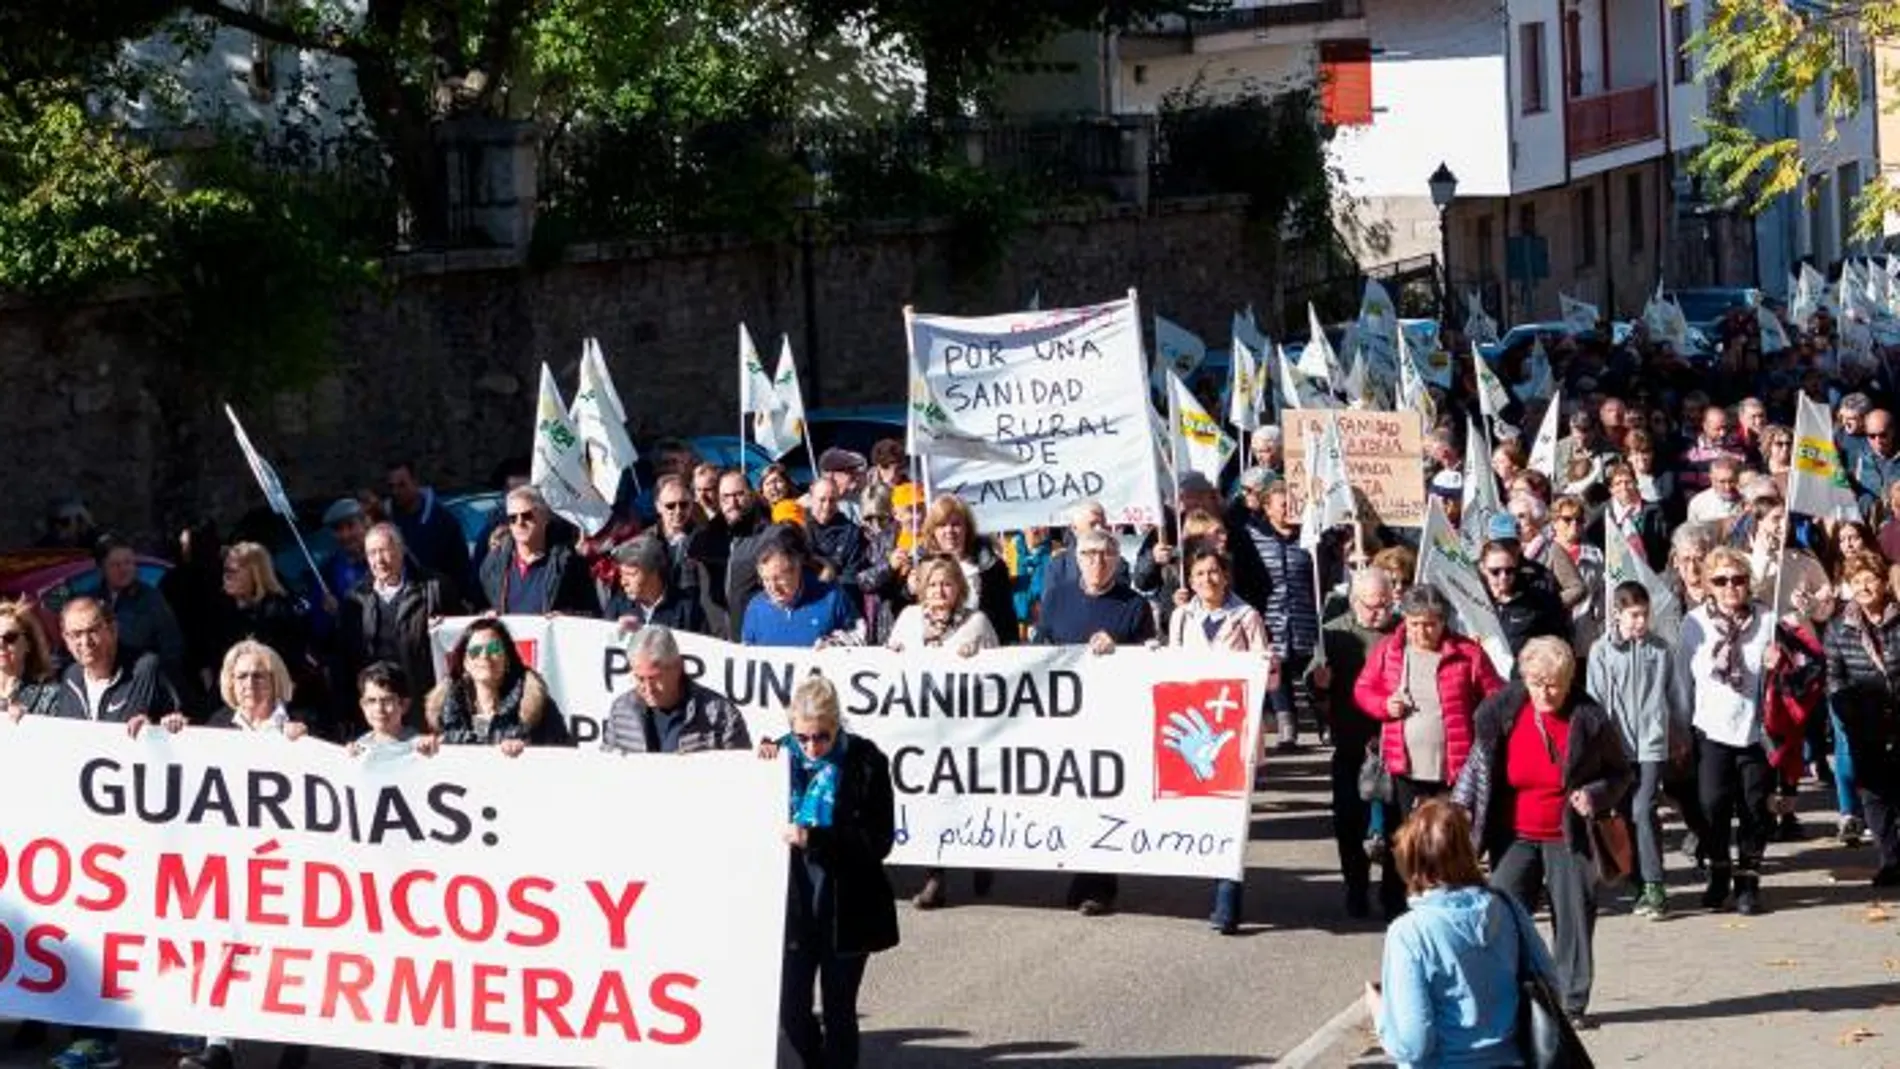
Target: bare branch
337,43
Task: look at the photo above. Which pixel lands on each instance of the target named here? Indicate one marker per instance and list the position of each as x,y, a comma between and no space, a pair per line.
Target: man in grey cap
845,471
348,565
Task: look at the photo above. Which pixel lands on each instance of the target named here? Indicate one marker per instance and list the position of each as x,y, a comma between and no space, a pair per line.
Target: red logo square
1200,730
530,650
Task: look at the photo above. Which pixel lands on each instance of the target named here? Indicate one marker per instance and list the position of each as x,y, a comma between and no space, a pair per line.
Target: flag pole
742,411
1174,475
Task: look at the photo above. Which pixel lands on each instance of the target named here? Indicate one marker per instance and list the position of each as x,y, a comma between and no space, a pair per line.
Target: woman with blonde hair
27,683
256,606
1547,762
949,528
1449,974
841,827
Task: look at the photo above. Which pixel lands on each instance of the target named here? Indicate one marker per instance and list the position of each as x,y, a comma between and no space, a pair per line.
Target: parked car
474,510
856,429
725,450
52,577
1705,307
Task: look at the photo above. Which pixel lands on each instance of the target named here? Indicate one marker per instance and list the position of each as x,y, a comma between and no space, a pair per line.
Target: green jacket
1348,646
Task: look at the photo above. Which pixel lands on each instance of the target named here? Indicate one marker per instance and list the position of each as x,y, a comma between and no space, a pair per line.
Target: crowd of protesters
1594,714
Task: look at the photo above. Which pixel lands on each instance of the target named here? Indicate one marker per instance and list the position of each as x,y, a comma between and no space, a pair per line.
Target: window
1820,245
1573,54
1527,219
1345,82
1486,260
1679,33
1530,67
1635,222
1584,228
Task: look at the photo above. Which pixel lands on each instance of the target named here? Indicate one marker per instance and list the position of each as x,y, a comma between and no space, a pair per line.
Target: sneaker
87,1054
1653,902
1852,828
1094,907
1378,850
932,896
218,1057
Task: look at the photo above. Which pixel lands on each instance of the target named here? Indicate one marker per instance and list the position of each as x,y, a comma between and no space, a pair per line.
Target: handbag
1375,783
1545,1036
1612,848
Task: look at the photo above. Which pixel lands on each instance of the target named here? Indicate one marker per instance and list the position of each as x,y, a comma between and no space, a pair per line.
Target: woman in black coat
1546,762
839,907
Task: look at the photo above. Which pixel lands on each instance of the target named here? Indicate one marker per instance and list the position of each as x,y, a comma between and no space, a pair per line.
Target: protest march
1557,620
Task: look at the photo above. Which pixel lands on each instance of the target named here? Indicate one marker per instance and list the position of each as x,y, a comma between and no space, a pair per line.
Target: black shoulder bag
1544,1033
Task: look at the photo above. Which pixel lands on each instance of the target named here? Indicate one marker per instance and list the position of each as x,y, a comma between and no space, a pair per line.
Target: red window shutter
1346,82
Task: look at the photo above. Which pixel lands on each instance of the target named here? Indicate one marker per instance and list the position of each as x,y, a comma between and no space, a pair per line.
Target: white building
1563,120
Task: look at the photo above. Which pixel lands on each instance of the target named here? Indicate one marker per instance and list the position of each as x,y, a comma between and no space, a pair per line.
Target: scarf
939,626
814,782
1726,658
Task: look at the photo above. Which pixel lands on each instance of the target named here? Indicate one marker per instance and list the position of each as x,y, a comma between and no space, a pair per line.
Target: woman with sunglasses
27,684
490,697
1727,643
838,905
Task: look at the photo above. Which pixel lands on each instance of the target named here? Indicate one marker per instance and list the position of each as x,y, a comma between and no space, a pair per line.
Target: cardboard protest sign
1384,457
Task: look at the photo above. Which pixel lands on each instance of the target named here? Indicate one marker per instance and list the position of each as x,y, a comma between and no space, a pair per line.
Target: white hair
655,643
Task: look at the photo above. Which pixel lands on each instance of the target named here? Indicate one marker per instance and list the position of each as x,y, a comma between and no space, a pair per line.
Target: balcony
1612,120
1257,21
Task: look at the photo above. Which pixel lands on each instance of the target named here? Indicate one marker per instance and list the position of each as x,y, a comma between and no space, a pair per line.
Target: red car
52,577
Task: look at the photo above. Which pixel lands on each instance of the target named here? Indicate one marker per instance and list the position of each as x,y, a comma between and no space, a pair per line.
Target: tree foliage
1783,52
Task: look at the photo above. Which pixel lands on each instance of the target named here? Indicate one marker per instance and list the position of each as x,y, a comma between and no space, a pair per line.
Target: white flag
262,471
1480,501
1177,349
1544,449
1448,564
1247,393
602,421
782,429
1295,389
1378,336
1318,361
1493,398
1199,443
756,394
1818,484
1329,500
559,469
1581,318
1773,338
1247,329
1814,287
1413,394
1035,300
1480,329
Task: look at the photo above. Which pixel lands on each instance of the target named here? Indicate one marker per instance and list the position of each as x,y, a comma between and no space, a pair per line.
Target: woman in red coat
1423,684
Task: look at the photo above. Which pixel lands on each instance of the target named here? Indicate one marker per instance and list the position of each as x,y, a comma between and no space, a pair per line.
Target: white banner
558,908
1065,391
1139,761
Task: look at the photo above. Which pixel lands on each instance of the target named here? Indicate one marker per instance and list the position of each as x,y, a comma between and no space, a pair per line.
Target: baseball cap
837,459
1502,528
343,508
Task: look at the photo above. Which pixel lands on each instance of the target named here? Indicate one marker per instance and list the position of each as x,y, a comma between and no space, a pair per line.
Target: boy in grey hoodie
1630,677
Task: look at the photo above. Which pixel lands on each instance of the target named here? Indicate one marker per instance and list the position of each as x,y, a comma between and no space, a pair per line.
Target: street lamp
1444,190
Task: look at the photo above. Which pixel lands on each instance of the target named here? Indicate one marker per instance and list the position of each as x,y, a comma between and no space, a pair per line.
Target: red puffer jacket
1465,678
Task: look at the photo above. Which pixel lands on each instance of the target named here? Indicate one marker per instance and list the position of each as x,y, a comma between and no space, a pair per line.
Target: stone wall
441,366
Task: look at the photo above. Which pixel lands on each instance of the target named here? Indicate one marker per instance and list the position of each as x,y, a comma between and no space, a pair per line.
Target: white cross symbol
1220,705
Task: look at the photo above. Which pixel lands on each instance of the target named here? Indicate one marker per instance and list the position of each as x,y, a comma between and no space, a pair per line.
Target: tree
1780,52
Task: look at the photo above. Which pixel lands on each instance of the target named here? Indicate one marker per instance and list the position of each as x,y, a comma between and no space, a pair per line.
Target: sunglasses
813,739
674,506
491,648
12,638
521,519
1725,581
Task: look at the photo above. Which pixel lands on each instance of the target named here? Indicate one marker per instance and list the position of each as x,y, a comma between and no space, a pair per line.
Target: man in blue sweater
795,609
1100,610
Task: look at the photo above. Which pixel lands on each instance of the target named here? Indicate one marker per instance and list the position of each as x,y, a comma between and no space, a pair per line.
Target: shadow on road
914,1048
1807,1000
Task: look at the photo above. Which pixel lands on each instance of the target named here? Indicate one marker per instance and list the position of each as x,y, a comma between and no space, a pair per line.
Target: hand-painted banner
559,908
1063,392
1384,456
1024,758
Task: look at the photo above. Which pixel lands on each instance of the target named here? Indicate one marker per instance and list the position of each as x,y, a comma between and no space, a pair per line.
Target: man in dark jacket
386,617
430,532
143,621
644,594
665,712
837,541
1523,593
528,574
1348,642
101,685
1290,604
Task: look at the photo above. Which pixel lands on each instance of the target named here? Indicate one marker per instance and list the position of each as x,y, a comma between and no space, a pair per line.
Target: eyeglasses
1567,519
92,632
814,739
1093,554
1725,581
522,519
12,638
492,648
674,506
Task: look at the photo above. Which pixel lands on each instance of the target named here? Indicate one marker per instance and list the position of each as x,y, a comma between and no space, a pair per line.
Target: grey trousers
1641,809
1569,880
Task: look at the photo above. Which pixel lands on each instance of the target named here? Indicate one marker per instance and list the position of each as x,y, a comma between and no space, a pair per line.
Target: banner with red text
559,908
1138,761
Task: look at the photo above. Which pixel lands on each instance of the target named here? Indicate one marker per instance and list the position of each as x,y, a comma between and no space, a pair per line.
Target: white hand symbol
1190,735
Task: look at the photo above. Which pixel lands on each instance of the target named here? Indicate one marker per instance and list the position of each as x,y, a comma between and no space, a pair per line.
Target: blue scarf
814,782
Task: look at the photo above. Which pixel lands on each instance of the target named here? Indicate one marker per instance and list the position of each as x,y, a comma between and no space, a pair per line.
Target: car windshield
1707,306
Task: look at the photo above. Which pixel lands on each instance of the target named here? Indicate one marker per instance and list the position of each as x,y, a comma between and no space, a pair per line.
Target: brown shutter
1346,82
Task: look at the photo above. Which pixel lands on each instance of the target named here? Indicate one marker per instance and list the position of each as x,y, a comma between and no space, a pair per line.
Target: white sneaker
1851,829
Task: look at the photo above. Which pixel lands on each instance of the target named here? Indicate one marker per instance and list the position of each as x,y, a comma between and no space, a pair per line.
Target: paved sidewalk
1815,982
